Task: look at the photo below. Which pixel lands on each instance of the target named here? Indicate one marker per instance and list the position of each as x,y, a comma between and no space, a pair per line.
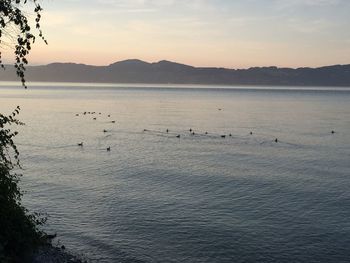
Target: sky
219,33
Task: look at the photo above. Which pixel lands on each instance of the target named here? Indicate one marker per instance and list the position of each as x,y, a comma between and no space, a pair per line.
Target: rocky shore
52,254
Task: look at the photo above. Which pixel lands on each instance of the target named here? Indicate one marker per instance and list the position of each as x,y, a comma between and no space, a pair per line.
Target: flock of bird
167,131
192,133
81,144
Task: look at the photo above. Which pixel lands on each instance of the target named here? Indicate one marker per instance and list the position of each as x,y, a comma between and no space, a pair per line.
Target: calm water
198,198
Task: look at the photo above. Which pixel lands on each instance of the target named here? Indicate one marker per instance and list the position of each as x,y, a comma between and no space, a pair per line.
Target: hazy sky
228,33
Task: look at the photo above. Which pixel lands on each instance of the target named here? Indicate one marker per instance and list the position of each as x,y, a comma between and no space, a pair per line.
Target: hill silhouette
164,72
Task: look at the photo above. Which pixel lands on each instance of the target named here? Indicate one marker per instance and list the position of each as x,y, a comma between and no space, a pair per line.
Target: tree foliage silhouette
19,230
14,23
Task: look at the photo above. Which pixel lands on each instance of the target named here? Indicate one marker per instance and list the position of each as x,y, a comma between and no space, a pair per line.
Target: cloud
135,4
285,4
313,26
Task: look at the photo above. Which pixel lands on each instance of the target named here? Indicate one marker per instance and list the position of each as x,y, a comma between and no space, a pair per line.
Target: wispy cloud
310,26
302,3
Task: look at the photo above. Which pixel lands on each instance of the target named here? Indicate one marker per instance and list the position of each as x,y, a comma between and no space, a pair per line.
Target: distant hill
137,71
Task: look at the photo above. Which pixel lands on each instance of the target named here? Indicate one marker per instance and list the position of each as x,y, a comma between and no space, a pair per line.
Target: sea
186,173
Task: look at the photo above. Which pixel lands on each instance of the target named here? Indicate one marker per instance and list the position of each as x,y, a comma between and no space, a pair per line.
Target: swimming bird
84,112
112,121
94,119
109,115
223,136
80,144
178,136
230,135
167,130
109,149
276,140
77,114
251,133
145,130
333,132
104,130
206,133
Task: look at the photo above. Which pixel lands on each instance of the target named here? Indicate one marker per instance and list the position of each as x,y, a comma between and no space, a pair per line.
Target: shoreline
52,254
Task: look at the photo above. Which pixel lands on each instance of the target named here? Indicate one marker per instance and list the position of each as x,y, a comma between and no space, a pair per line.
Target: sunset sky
222,33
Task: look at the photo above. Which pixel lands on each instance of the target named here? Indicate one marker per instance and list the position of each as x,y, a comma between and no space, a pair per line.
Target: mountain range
167,72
